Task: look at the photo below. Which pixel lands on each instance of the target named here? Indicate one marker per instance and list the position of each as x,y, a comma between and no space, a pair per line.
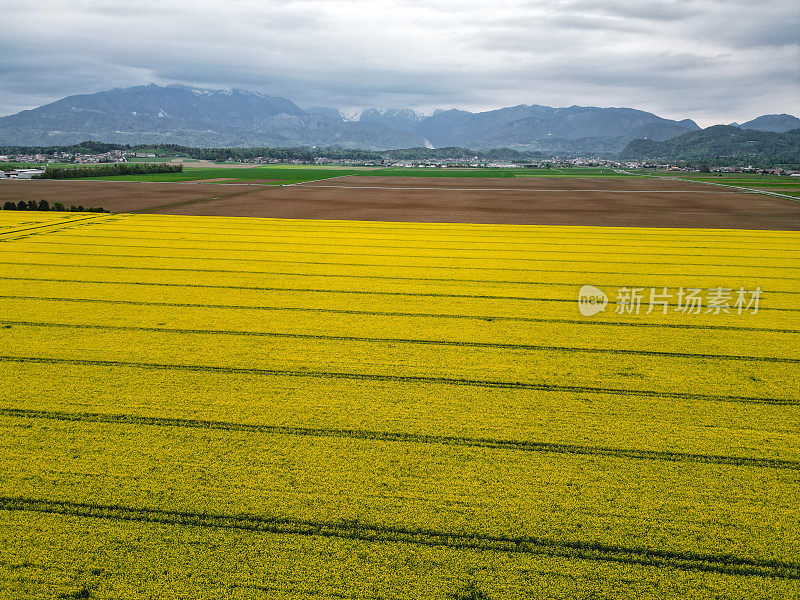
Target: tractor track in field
375,265
262,241
538,244
11,233
412,379
415,438
530,231
584,550
332,275
411,341
335,291
487,318
418,256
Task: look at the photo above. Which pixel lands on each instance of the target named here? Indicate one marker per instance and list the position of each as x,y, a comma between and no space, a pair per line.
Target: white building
25,173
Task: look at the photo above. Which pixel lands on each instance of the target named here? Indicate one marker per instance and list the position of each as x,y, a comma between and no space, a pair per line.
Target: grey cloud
652,10
683,58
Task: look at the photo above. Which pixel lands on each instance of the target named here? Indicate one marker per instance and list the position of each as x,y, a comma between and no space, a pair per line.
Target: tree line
299,153
108,170
44,205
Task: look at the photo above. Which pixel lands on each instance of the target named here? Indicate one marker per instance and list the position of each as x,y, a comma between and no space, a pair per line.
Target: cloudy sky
714,61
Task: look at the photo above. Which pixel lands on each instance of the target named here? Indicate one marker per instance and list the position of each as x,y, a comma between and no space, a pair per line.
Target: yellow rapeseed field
258,408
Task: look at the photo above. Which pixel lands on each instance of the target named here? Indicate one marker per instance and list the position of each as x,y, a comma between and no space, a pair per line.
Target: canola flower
255,407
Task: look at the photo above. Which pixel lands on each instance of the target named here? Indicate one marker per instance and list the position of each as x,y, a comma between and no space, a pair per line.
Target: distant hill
721,144
577,128
777,123
176,114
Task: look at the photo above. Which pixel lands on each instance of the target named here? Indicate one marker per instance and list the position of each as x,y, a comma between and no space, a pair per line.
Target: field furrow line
262,241
331,291
415,379
760,276
424,342
586,550
415,438
402,314
333,275
538,244
416,256
49,227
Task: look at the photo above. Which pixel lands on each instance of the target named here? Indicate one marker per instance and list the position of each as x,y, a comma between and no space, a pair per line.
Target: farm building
25,173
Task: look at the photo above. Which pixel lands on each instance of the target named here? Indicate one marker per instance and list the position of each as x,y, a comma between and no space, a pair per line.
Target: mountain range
721,145
775,123
218,118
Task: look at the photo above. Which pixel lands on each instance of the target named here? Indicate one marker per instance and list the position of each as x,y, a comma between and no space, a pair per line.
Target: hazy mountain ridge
775,123
187,116
211,118
721,144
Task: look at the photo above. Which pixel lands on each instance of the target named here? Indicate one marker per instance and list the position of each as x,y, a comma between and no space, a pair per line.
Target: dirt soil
626,184
214,180
547,201
116,196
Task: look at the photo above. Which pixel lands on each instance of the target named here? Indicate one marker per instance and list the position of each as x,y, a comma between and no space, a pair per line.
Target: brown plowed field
639,202
117,196
626,184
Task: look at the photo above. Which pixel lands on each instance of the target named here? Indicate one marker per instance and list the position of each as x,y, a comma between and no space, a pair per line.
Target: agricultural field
496,172
622,201
201,171
265,175
788,186
301,408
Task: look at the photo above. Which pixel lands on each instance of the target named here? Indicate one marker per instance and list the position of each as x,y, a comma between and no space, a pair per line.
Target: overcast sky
713,61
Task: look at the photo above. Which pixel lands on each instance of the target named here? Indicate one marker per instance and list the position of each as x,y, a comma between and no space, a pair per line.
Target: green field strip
516,385
190,174
727,564
520,189
727,185
387,436
466,173
426,342
492,173
375,313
